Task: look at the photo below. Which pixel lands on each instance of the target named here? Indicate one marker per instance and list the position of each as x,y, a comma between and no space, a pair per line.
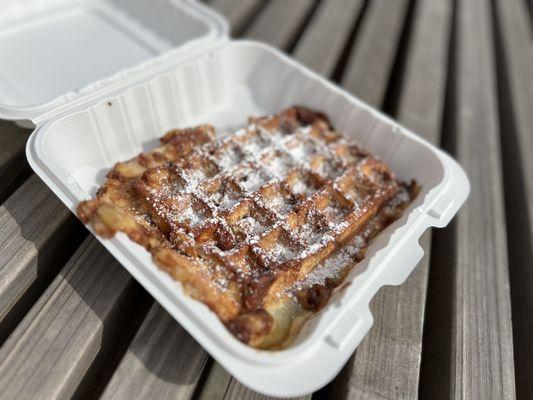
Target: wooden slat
326,35
163,362
35,230
516,67
476,358
375,47
518,47
238,392
53,347
13,165
280,21
387,362
237,12
216,383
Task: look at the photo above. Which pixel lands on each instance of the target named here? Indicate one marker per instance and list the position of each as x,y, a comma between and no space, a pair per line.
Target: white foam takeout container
102,80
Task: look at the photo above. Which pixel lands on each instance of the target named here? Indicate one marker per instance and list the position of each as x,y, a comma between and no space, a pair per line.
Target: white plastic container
195,74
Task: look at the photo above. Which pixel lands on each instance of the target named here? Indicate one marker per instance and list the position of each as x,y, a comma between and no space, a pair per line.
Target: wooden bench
74,324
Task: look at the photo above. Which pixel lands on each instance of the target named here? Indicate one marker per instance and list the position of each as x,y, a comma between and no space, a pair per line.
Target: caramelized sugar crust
260,224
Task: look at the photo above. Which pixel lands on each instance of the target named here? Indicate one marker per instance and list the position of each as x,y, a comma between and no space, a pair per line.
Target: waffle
260,224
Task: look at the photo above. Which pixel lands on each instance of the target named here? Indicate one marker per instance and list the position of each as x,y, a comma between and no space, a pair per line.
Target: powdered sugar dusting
190,215
279,204
266,169
281,252
300,187
251,179
250,226
333,266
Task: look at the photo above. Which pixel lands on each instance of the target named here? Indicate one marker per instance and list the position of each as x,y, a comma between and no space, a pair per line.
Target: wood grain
325,36
13,166
162,362
387,363
374,50
475,360
237,12
279,22
48,354
35,231
237,391
216,383
515,65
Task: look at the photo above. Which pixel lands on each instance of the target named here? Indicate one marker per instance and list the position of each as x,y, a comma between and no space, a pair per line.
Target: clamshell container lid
57,52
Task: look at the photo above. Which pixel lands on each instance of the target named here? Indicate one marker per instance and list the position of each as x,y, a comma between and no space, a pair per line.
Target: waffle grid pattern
265,200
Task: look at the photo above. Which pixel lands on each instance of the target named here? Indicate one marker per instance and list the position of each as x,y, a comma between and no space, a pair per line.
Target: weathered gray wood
387,362
516,63
326,35
518,48
238,392
53,347
13,165
162,362
237,12
371,60
216,383
12,141
476,359
279,22
35,227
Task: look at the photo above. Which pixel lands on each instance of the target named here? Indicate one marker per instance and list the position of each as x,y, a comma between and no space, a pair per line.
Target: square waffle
260,224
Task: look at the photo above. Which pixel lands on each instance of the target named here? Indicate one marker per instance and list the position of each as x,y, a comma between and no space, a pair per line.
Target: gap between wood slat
162,362
438,319
529,7
14,168
37,236
342,62
514,59
239,13
114,346
214,382
371,59
387,362
327,33
468,338
281,22
395,79
303,25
